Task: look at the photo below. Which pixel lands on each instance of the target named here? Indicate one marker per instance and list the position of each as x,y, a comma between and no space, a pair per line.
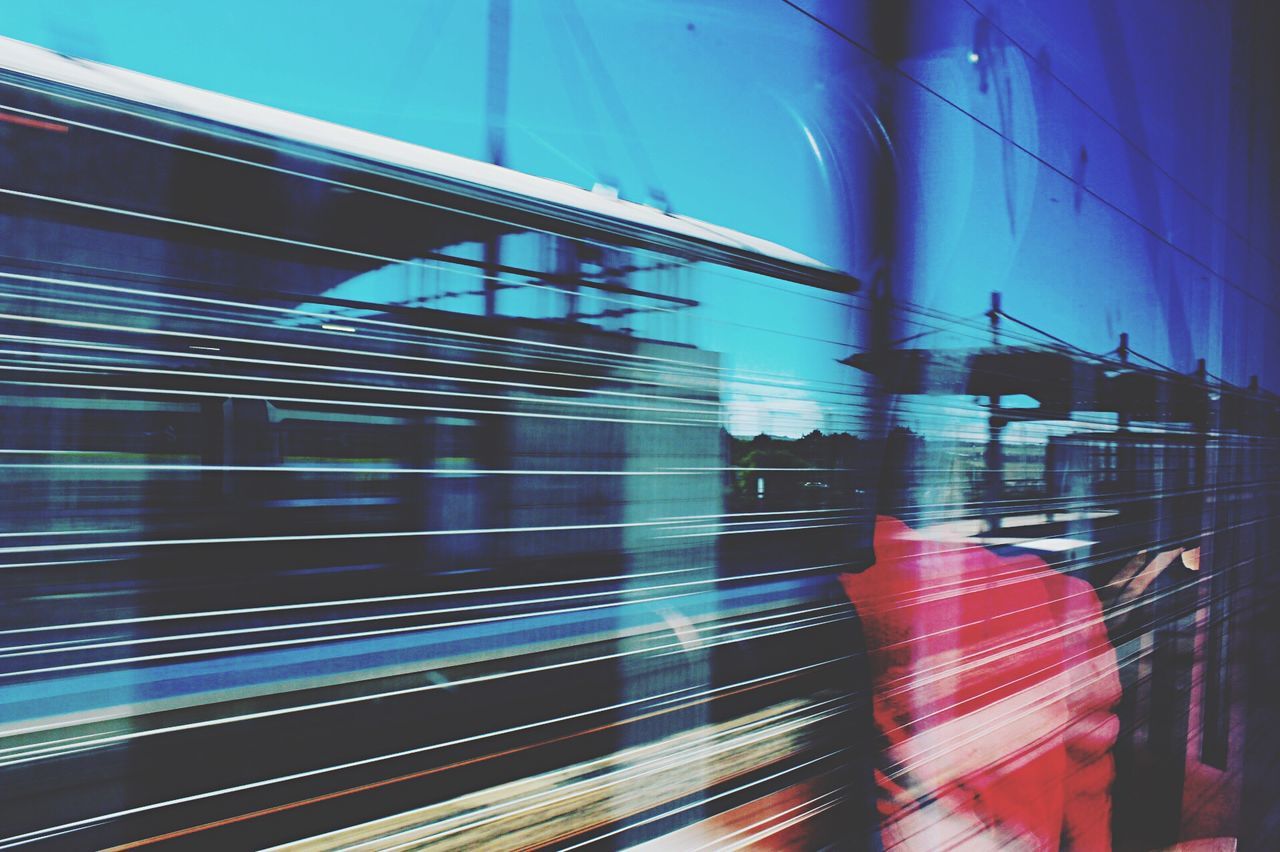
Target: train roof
634,223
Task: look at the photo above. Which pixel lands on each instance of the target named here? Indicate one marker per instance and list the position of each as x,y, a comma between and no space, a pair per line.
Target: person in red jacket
993,686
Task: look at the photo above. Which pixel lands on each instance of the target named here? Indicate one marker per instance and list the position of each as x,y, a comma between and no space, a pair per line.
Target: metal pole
496,119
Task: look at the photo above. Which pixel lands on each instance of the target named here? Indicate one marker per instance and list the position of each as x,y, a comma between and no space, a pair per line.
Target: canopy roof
579,210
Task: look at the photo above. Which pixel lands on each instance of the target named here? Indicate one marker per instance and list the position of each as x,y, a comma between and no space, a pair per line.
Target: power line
1052,337
1154,362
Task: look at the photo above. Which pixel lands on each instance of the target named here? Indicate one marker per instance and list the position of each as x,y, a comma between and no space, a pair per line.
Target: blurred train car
362,493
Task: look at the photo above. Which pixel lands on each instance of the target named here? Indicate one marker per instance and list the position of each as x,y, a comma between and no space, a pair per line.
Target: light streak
39,834
9,652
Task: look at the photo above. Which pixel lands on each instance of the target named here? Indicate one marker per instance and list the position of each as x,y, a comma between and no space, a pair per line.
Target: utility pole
496,126
996,421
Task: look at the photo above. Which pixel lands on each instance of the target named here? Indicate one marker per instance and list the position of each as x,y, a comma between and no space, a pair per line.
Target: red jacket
993,686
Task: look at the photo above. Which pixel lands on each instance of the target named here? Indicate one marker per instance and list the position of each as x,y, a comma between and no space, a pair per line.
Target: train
344,475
